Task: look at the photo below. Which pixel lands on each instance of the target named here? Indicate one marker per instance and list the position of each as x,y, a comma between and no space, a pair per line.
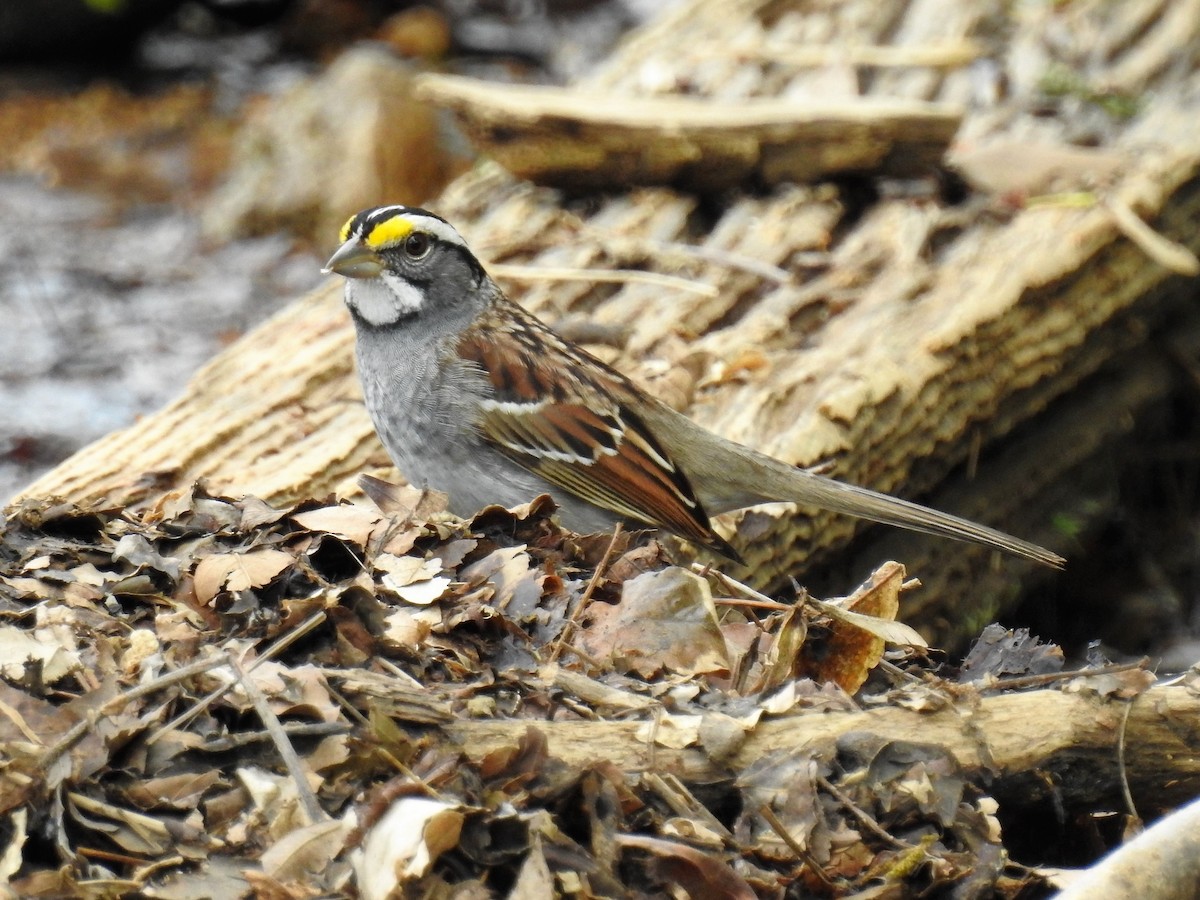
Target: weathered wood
587,140
1071,739
258,419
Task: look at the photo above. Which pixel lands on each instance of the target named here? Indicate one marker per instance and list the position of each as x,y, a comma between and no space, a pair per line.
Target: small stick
1125,792
510,272
275,649
119,702
283,744
1024,681
807,858
587,596
864,818
773,605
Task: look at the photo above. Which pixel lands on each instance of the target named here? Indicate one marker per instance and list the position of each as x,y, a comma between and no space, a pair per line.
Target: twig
109,856
19,720
587,596
1024,681
726,259
363,721
506,271
900,674
683,803
864,818
773,605
807,858
1167,253
942,55
1121,770
345,704
732,584
287,752
274,650
119,702
292,730
399,674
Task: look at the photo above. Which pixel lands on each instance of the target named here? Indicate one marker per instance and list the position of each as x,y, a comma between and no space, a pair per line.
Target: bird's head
401,262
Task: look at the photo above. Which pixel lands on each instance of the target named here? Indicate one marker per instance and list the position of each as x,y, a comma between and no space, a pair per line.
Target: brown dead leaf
27,588
665,620
136,550
238,571
534,881
257,513
275,799
700,873
901,775
507,570
411,578
14,842
171,505
353,523
849,654
785,783
28,725
1121,685
402,501
787,644
182,791
132,831
404,630
43,647
1001,652
216,876
305,852
332,751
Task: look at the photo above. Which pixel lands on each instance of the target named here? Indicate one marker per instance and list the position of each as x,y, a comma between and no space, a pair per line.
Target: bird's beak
354,259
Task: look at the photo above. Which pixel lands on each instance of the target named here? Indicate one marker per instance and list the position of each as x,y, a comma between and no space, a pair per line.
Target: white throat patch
384,300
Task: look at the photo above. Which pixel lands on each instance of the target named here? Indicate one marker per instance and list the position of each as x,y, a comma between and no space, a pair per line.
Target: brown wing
579,432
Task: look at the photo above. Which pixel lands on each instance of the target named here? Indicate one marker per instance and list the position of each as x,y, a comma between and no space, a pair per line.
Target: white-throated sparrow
475,397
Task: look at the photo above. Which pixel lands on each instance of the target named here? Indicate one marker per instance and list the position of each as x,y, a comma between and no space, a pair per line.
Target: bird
475,397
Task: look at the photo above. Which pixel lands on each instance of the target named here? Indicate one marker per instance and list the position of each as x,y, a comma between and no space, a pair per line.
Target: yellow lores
387,233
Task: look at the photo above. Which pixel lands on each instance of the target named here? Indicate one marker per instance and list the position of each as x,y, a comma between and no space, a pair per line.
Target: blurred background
174,171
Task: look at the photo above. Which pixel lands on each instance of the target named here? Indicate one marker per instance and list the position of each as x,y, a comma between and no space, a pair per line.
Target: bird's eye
417,245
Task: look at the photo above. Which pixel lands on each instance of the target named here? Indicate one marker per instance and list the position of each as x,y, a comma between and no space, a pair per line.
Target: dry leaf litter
218,699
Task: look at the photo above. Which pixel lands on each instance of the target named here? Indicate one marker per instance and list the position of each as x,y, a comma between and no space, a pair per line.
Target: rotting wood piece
986,373
256,420
1004,739
577,139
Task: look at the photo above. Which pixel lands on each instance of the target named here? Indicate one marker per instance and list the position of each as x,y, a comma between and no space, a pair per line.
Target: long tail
789,483
729,476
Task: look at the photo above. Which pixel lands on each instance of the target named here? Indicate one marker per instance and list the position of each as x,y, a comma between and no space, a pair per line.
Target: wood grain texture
1068,741
578,140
